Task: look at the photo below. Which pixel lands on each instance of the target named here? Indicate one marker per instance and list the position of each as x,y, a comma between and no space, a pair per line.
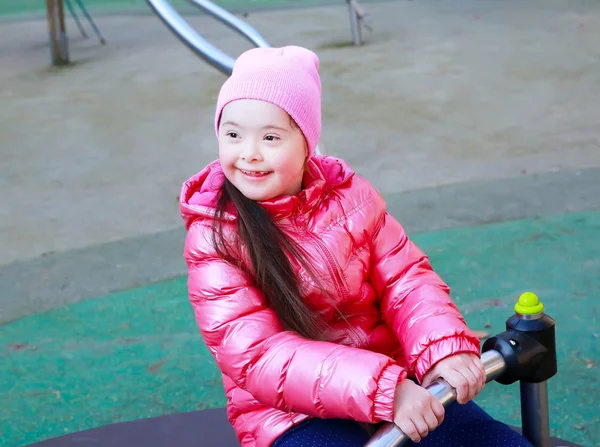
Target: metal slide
195,42
217,58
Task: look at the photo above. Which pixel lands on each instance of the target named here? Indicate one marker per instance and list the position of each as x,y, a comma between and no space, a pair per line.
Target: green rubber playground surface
36,7
137,353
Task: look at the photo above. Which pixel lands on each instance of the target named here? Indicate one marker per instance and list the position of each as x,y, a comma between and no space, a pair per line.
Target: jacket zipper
332,266
338,281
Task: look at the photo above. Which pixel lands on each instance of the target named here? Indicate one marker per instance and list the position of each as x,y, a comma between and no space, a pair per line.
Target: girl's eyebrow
230,123
272,126
268,126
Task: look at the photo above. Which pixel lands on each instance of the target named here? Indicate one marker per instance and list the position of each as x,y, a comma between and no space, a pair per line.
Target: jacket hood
199,194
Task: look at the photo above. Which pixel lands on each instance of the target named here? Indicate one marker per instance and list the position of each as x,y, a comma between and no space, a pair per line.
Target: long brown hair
271,269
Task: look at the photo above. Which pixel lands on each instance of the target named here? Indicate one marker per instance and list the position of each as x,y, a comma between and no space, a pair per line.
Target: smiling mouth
255,173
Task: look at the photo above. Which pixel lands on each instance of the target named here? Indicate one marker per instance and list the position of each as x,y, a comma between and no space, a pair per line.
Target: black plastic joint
528,347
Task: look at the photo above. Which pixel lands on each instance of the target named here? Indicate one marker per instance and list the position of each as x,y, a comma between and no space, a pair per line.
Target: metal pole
59,48
75,18
535,416
354,24
91,21
391,436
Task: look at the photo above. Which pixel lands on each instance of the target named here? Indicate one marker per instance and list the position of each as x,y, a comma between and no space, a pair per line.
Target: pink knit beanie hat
287,77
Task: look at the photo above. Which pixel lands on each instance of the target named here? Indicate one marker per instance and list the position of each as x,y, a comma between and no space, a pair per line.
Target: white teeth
254,172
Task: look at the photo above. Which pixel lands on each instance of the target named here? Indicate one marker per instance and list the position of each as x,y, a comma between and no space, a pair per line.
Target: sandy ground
442,93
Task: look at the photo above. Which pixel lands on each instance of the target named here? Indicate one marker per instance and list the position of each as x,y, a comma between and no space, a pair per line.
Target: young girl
314,303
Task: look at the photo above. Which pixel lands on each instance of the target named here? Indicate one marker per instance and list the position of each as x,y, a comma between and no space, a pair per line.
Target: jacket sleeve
414,300
280,368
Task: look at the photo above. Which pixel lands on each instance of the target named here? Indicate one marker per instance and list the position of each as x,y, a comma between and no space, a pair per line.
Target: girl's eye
271,138
232,134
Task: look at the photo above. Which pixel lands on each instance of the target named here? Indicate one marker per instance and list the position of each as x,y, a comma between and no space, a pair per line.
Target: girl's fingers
481,367
421,425
473,382
479,376
459,383
431,419
409,429
438,410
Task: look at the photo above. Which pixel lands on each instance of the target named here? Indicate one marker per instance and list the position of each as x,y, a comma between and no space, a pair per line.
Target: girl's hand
464,372
416,411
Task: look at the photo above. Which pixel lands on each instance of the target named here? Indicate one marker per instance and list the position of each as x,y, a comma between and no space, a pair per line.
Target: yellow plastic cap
529,304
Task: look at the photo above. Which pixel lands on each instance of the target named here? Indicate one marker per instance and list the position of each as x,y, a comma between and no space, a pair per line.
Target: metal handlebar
391,436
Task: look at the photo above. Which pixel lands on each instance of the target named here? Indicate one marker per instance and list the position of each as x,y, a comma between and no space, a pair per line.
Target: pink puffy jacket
403,318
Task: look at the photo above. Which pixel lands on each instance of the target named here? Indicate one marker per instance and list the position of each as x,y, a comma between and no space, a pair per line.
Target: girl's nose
251,152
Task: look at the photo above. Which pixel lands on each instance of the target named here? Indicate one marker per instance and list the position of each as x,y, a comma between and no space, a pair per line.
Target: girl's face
261,149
